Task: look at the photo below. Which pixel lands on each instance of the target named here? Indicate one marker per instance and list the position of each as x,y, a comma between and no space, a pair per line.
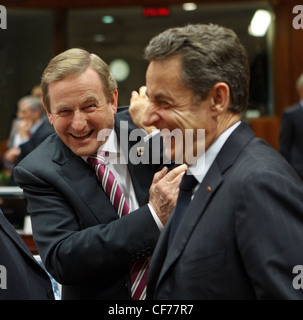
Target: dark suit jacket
82,242
40,134
239,239
25,279
291,137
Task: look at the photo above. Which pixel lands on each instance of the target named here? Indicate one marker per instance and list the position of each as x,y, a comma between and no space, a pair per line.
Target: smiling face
79,110
172,105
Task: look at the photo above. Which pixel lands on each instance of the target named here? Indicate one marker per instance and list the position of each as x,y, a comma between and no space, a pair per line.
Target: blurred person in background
291,135
28,131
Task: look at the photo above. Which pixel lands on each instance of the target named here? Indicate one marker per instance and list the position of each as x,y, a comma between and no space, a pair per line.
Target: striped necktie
109,184
139,269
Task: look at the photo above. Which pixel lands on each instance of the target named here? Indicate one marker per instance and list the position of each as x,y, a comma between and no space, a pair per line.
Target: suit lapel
209,186
194,212
83,180
136,164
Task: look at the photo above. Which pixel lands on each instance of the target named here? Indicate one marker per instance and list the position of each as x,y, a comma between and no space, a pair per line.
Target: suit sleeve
73,252
286,135
42,132
269,224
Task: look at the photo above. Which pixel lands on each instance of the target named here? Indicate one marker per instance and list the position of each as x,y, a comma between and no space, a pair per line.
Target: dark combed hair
210,54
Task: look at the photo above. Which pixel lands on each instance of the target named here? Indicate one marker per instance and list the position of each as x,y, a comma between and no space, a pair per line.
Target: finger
159,175
176,172
177,180
134,94
142,91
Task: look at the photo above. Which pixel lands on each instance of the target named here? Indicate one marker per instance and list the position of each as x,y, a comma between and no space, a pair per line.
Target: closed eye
162,104
90,108
65,112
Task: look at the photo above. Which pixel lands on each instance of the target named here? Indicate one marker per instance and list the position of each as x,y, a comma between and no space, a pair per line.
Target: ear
49,115
220,98
114,101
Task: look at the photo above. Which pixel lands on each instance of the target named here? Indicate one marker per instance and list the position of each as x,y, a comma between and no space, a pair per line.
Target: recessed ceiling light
259,23
108,19
120,69
189,6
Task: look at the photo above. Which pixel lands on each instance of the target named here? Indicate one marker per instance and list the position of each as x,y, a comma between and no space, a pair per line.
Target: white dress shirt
116,163
206,160
18,140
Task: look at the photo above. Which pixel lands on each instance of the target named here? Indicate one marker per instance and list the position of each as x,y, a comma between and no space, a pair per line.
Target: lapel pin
140,151
208,188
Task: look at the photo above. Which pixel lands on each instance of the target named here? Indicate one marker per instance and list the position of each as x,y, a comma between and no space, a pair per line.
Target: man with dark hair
237,229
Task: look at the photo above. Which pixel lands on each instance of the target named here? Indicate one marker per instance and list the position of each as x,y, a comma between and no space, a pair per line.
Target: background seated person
28,131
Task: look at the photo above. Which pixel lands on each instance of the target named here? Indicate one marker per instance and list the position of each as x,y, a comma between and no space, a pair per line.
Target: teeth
81,135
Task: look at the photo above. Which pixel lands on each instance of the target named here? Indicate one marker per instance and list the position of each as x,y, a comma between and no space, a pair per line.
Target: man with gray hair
237,229
96,215
291,135
28,131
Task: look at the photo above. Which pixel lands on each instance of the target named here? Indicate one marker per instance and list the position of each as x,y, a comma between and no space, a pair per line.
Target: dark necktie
139,269
186,187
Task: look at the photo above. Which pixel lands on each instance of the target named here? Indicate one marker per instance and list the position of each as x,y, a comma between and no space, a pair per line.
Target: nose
78,121
20,115
150,117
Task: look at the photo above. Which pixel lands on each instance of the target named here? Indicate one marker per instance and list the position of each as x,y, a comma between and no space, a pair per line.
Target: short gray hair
34,103
76,61
210,54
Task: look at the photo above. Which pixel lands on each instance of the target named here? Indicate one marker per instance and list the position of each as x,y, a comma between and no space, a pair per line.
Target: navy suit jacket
24,279
291,137
242,234
82,242
44,130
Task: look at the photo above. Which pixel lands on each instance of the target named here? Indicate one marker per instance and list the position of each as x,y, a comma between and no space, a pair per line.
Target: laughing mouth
82,136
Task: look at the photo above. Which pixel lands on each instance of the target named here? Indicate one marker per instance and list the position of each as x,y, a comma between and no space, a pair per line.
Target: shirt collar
111,147
111,144
204,162
35,126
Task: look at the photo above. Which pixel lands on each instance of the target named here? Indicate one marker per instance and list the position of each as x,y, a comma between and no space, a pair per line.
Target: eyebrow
60,107
87,99
90,99
159,96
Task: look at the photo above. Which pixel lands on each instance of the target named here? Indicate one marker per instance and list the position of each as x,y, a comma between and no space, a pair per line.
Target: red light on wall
156,12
